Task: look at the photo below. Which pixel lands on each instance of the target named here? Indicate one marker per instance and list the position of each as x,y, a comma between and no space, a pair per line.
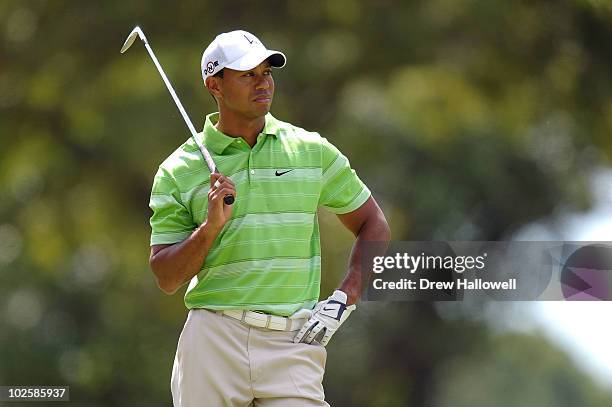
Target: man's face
246,93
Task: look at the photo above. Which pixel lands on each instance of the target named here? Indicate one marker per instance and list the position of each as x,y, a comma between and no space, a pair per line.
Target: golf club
137,32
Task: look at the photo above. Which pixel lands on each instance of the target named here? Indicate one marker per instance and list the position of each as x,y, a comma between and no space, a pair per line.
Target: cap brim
247,62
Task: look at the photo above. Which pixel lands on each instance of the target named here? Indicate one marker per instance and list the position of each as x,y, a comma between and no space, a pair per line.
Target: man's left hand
327,316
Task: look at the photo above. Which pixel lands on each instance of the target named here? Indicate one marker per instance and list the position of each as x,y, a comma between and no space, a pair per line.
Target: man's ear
213,85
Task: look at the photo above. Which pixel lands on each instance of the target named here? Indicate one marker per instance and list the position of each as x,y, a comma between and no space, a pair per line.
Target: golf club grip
228,199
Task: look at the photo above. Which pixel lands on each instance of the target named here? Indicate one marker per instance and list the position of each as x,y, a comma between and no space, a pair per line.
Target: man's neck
234,126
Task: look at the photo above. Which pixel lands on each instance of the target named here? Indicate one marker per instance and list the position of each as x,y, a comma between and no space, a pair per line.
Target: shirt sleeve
171,221
341,191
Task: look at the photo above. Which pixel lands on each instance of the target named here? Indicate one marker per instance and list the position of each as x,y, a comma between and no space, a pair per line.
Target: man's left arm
368,223
343,193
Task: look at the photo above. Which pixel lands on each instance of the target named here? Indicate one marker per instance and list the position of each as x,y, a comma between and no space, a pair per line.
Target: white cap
239,50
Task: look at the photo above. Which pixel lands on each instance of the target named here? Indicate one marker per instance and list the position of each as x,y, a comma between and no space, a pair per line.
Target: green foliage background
467,118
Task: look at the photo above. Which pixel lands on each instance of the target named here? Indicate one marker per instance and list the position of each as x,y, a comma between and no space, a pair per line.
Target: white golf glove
325,319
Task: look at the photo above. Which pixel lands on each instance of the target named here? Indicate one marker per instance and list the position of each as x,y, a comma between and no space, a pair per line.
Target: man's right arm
175,264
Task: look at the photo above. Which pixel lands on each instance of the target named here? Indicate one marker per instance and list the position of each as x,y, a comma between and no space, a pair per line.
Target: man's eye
268,72
249,74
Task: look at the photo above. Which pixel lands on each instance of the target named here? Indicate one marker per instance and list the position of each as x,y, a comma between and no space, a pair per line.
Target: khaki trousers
221,361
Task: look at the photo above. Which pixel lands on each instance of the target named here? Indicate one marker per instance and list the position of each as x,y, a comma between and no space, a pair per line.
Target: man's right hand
218,212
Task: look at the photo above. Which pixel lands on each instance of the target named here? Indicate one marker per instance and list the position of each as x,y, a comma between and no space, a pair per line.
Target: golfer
256,331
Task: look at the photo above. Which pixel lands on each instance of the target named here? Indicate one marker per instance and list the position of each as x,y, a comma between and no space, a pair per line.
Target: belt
261,320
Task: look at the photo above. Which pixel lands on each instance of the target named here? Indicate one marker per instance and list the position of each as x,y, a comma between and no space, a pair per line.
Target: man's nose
262,82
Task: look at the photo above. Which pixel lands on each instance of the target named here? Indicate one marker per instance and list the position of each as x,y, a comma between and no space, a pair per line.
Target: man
252,336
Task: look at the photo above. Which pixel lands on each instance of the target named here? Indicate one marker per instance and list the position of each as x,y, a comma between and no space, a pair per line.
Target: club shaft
209,161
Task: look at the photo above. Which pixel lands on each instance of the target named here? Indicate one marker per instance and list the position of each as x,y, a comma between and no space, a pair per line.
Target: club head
136,32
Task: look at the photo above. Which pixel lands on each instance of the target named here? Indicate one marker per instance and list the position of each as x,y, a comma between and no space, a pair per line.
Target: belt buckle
268,320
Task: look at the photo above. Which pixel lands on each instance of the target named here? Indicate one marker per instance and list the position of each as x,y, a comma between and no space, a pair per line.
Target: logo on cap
247,38
210,67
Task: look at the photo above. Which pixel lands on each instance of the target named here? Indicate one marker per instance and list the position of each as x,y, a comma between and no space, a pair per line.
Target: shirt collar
218,142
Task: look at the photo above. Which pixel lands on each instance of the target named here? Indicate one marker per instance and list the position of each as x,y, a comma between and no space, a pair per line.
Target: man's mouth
263,98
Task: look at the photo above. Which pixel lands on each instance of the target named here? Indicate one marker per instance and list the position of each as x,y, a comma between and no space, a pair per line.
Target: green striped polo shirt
267,256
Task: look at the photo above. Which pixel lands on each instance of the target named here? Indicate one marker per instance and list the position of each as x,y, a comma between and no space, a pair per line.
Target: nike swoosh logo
330,309
247,38
278,174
